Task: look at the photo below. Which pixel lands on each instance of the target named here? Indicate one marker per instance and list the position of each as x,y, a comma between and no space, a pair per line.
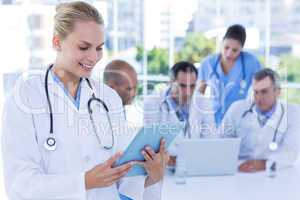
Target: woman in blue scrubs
228,73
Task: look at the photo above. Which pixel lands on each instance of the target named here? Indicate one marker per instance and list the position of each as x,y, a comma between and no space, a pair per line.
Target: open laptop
209,156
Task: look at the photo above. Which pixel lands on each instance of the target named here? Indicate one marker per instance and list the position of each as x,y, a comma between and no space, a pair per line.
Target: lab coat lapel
101,118
168,114
274,121
58,92
164,109
171,117
266,133
86,94
53,87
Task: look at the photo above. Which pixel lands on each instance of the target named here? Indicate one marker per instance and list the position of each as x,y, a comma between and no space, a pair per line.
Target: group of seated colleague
244,102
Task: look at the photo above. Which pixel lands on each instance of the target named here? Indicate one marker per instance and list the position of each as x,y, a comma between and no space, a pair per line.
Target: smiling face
80,50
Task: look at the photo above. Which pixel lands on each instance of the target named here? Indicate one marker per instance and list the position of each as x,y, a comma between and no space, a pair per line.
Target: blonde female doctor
61,130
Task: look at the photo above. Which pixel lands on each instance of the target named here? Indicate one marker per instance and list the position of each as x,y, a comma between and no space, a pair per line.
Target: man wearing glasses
267,126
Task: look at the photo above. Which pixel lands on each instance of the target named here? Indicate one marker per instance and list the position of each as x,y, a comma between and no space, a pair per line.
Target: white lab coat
255,139
156,110
31,171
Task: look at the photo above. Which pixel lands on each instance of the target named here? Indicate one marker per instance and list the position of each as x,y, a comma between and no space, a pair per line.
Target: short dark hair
236,32
183,66
267,72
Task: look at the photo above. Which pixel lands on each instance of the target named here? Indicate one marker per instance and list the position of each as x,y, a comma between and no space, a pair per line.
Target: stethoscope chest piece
50,144
273,146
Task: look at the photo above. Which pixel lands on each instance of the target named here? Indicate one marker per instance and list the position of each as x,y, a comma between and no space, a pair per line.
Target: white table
241,186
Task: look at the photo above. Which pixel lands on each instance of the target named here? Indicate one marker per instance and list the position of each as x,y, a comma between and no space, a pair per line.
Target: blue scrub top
226,88
76,100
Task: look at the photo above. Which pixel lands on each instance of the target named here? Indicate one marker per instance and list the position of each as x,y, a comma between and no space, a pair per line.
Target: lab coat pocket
55,161
62,158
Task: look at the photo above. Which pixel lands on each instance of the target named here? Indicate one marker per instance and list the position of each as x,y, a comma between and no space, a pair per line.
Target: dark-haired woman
229,73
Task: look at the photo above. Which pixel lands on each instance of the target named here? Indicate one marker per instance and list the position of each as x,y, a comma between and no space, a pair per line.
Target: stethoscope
243,83
273,146
164,103
50,143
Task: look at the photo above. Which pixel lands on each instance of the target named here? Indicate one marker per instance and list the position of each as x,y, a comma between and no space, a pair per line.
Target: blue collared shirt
182,111
265,116
76,100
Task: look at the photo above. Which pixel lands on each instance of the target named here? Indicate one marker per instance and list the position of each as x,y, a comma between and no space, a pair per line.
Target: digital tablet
149,135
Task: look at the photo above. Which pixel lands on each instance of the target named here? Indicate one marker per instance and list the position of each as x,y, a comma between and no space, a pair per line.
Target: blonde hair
69,13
